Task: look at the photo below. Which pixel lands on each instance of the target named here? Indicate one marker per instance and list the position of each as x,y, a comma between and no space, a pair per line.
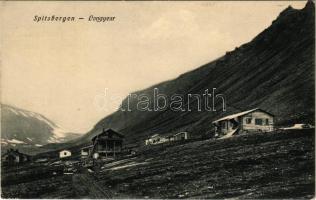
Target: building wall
85,152
226,126
157,140
109,145
181,136
64,154
10,159
266,119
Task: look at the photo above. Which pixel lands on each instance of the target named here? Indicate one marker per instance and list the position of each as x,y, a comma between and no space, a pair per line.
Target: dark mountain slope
275,71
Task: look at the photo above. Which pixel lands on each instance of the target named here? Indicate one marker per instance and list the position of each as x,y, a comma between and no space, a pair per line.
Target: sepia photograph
157,99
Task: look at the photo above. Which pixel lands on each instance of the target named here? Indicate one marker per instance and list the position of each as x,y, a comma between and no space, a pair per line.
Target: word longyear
100,19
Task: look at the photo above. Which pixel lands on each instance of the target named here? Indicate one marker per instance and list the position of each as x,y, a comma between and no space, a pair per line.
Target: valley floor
263,165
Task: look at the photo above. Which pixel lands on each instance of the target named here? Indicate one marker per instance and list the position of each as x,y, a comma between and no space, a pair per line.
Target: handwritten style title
63,19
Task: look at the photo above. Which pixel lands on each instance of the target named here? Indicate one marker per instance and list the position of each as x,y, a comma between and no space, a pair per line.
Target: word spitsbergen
100,19
53,18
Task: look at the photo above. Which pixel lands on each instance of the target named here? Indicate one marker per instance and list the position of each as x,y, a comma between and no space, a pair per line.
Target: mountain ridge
274,71
27,128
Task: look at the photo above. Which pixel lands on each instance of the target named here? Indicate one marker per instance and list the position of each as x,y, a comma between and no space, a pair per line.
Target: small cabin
14,157
109,143
255,120
155,139
131,149
170,138
181,136
64,154
85,152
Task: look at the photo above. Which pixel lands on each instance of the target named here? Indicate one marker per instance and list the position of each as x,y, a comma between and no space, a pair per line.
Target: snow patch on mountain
14,111
14,141
4,141
57,134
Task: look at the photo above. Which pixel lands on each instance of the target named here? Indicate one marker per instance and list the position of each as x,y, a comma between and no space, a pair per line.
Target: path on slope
86,187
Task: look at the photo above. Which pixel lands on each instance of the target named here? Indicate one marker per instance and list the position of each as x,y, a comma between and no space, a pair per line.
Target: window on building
267,121
248,120
65,153
224,125
258,121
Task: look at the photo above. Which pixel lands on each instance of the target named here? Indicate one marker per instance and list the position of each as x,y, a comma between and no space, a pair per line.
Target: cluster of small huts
254,120
14,157
109,143
158,139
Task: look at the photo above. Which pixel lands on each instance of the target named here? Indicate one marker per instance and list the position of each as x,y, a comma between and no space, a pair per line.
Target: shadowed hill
274,71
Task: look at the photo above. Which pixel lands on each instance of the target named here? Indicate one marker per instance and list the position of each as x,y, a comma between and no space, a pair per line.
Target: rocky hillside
274,71
25,128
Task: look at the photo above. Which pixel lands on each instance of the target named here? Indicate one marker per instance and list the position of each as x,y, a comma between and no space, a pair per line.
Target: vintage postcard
157,99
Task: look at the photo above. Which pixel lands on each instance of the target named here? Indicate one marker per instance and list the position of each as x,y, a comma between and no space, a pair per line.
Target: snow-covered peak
26,127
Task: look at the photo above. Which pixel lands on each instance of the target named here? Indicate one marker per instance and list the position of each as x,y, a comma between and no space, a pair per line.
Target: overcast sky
61,69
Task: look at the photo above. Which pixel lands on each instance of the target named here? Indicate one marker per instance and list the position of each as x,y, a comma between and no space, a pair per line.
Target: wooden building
85,152
109,143
153,139
14,157
158,139
255,120
181,136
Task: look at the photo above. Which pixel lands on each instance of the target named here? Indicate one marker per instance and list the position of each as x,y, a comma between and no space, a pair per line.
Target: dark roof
108,132
87,147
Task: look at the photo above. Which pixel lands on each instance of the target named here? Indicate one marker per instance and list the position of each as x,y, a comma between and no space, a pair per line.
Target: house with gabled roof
14,157
64,153
158,139
85,151
254,120
108,143
155,139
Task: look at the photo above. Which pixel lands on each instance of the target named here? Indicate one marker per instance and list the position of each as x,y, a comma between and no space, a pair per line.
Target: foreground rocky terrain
263,165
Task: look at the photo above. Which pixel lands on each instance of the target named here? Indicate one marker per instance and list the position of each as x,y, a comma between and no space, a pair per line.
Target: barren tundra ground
263,165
